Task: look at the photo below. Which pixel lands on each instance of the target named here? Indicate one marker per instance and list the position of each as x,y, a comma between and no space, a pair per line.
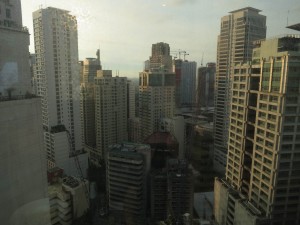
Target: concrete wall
22,158
14,64
220,202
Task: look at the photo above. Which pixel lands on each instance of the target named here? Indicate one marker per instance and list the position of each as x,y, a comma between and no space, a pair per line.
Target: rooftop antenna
202,59
287,19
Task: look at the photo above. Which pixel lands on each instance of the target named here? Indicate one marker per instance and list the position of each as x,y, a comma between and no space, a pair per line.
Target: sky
126,29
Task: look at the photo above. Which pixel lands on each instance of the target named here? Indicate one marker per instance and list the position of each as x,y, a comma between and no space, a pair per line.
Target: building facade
156,100
206,85
57,72
89,68
156,90
110,112
127,169
185,82
263,147
15,77
238,31
160,57
171,192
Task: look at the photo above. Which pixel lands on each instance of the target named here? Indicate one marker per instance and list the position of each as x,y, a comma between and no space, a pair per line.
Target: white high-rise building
57,73
238,31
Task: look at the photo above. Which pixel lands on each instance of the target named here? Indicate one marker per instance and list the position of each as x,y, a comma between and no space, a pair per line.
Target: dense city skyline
125,30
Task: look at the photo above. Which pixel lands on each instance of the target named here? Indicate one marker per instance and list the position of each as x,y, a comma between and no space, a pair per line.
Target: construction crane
77,164
184,54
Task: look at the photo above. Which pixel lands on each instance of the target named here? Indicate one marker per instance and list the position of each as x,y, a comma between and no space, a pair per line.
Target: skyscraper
206,85
89,68
238,31
127,171
160,57
262,174
110,112
57,72
156,91
185,82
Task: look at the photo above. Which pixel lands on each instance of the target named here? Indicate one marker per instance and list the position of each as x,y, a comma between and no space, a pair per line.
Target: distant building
185,82
238,31
264,137
156,90
110,112
57,73
160,58
134,130
89,68
130,99
127,171
156,100
172,192
206,85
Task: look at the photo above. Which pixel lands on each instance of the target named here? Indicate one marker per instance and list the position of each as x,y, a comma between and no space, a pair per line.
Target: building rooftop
161,137
246,9
294,26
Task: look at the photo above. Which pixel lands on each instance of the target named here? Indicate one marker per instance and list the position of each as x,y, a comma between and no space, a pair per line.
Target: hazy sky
126,29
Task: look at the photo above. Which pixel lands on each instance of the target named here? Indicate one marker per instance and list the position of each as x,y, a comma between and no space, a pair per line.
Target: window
8,13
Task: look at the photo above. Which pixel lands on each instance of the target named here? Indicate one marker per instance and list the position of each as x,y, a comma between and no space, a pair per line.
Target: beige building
264,132
156,100
110,112
238,31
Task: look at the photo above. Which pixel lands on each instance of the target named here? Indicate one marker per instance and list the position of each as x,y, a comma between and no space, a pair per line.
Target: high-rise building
127,171
15,77
130,99
110,112
206,85
89,68
156,90
172,193
57,72
160,57
235,44
185,82
262,174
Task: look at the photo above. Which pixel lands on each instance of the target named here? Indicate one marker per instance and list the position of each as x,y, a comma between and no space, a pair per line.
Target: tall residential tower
57,73
263,174
156,95
235,44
